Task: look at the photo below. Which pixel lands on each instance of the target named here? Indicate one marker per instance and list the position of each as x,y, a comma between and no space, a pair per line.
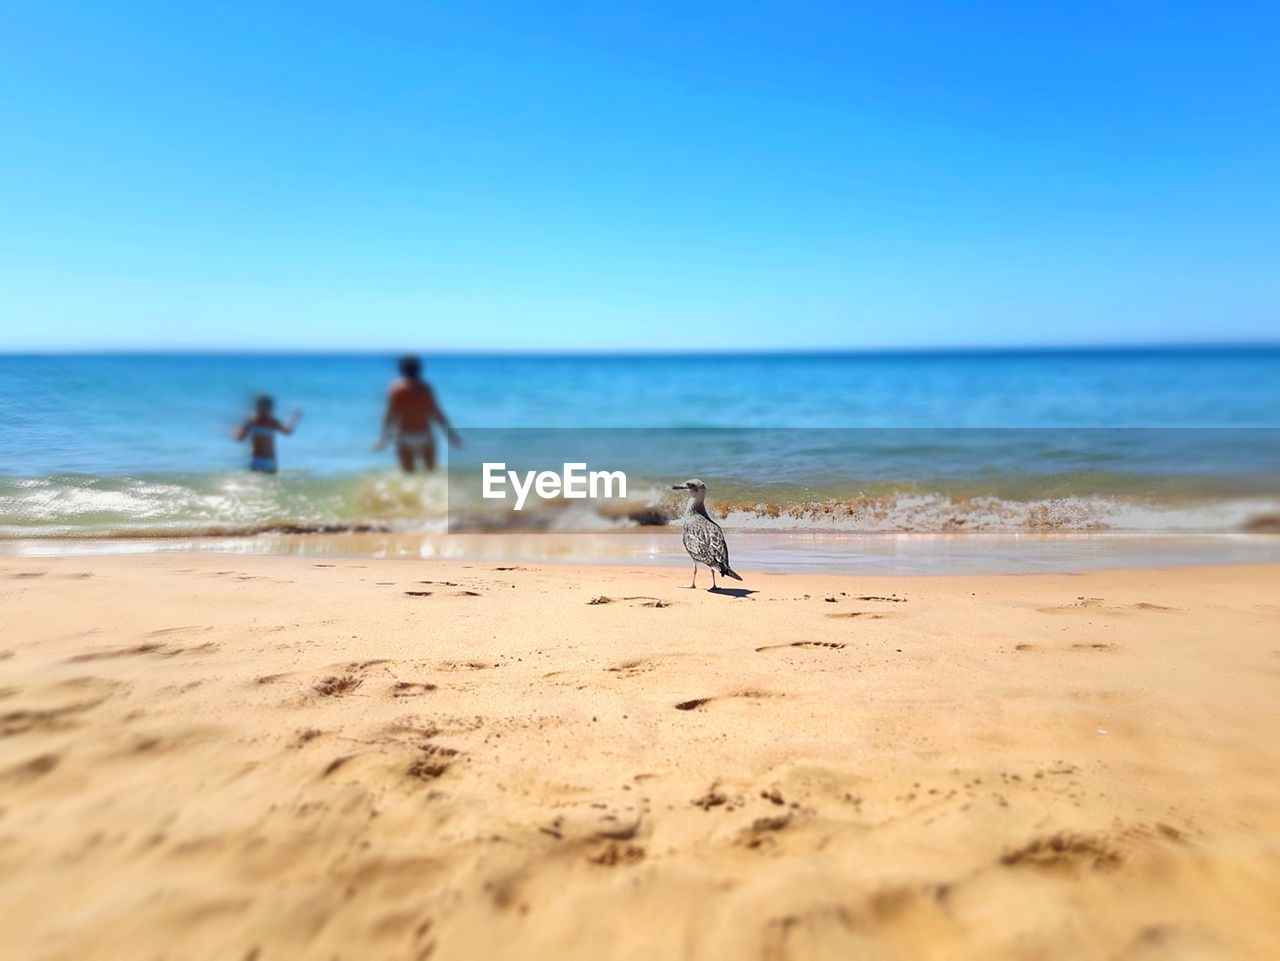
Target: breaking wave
240,504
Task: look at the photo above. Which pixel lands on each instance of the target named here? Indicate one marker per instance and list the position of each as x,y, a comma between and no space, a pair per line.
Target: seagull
703,538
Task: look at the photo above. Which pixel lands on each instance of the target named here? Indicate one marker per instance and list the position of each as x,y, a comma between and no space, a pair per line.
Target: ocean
1158,441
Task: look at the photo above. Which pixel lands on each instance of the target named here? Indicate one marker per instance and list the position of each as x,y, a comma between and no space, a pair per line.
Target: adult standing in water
412,414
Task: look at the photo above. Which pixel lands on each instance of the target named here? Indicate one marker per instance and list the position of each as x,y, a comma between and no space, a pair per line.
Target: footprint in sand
135,650
614,854
1064,850
21,722
433,763
149,647
38,715
1097,605
337,686
828,645
749,694
760,832
411,688
31,770
1026,648
647,601
642,665
712,799
1080,603
692,703
335,764
191,629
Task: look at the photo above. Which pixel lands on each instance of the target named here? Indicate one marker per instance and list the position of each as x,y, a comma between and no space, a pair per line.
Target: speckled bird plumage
703,538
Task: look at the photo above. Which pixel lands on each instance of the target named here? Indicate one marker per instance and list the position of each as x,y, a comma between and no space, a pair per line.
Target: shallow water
140,446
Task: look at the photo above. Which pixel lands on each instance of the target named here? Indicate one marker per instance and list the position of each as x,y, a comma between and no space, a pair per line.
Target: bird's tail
726,572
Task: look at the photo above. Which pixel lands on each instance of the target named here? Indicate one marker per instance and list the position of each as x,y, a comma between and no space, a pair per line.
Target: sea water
1152,440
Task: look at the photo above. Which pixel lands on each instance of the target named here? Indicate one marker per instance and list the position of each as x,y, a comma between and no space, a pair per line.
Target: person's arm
288,426
438,415
242,431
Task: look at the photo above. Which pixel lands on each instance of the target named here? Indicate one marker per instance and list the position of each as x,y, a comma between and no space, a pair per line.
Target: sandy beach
262,758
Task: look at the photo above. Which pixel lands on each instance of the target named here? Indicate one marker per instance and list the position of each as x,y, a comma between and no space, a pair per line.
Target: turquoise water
141,444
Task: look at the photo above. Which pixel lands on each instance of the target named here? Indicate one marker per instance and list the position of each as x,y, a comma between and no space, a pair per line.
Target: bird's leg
713,578
695,576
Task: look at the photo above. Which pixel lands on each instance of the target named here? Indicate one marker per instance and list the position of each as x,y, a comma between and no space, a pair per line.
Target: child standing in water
261,428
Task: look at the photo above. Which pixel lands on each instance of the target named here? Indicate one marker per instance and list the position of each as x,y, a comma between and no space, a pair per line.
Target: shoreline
272,756
774,552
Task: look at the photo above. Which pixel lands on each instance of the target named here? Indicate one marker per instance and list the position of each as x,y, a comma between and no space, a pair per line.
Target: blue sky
618,176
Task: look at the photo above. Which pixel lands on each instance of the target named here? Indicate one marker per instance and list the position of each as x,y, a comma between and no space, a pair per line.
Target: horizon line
617,352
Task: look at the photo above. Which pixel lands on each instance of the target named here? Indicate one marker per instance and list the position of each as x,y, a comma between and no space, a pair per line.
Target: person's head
411,367
263,405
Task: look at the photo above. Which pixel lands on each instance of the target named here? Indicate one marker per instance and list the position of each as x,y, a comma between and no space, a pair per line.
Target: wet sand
265,758
773,551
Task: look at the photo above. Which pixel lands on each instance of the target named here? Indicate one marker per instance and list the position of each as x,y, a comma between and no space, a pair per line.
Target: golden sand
271,758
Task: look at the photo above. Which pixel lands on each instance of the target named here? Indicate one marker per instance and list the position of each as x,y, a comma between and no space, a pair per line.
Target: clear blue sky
656,175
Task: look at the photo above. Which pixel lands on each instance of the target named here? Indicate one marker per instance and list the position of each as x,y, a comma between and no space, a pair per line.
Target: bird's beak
679,487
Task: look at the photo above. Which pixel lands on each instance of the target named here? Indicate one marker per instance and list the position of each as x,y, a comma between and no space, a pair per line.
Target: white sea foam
237,503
